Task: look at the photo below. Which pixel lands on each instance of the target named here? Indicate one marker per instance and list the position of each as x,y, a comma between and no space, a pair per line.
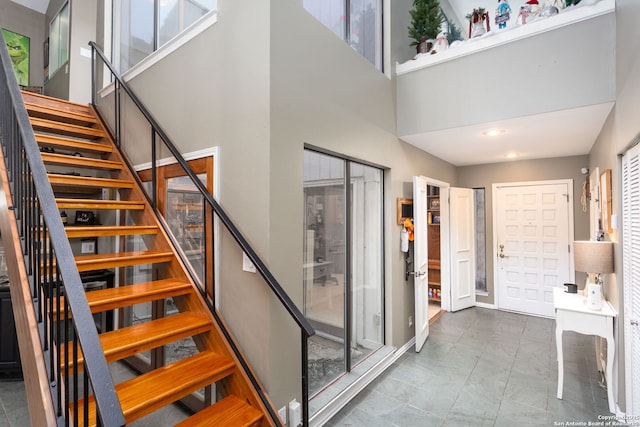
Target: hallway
479,367
484,367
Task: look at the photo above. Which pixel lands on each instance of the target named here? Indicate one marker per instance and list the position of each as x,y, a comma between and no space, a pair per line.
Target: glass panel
481,240
324,266
64,34
332,13
54,46
176,15
136,32
363,26
184,213
366,263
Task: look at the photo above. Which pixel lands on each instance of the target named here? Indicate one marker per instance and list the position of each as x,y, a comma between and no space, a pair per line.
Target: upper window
358,22
58,40
143,26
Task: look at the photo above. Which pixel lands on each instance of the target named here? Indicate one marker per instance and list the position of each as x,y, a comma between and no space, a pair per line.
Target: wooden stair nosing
60,104
122,259
77,232
67,116
72,144
99,204
79,162
68,129
148,392
229,412
88,181
124,296
126,342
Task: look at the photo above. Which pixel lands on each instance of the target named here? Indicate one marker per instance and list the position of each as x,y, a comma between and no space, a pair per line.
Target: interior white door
420,260
462,247
532,223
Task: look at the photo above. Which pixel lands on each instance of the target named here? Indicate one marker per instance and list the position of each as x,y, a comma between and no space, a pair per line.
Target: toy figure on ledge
477,20
526,11
503,13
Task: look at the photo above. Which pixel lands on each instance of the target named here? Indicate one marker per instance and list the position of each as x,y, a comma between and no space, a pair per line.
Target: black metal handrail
305,327
50,264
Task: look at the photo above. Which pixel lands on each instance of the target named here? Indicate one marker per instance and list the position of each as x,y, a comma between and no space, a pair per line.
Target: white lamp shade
593,257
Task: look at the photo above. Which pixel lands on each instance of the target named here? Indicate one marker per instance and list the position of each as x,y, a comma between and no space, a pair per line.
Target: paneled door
533,229
462,247
420,260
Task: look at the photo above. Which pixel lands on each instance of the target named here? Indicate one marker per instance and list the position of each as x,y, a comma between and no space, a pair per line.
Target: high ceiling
39,5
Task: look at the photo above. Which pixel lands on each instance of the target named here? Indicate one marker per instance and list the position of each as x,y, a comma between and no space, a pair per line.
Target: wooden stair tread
135,339
87,181
81,162
75,232
147,393
122,259
124,296
67,129
51,113
60,104
229,412
64,203
72,144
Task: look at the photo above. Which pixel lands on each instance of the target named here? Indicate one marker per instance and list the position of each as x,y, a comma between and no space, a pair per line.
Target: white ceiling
38,5
531,137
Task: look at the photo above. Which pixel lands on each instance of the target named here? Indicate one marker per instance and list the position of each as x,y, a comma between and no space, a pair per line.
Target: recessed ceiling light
494,132
511,155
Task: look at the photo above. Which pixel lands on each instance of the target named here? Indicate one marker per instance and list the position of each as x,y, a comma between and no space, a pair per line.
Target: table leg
560,359
599,360
610,352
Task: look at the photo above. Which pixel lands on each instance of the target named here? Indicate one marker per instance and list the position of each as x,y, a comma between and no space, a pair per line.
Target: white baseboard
486,305
323,416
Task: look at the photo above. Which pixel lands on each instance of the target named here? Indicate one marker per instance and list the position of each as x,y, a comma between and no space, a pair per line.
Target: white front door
420,260
532,232
463,248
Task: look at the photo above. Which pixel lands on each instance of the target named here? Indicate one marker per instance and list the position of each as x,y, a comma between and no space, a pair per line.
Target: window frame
379,60
159,52
56,42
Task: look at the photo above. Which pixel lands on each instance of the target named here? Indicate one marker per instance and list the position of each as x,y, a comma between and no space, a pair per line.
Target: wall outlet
295,414
410,321
247,265
283,415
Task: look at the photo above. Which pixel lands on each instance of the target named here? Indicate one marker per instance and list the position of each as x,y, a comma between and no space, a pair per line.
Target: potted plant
425,23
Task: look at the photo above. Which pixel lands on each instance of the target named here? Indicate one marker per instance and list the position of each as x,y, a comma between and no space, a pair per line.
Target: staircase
82,161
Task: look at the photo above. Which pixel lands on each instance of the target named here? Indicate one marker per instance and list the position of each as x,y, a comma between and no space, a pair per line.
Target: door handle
417,273
501,254
634,323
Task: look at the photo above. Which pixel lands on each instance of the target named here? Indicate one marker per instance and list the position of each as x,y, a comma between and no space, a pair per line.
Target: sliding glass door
342,265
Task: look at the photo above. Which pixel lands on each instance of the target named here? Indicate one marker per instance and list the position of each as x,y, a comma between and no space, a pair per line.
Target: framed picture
19,51
404,209
434,202
85,218
89,246
436,219
605,200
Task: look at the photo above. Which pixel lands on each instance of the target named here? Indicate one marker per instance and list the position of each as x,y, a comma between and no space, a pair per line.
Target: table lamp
593,257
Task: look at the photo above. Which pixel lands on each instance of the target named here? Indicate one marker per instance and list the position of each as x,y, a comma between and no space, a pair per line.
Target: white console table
572,314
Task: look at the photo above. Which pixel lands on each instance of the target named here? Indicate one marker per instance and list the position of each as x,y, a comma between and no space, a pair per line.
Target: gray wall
30,23
260,100
620,130
548,72
82,30
484,176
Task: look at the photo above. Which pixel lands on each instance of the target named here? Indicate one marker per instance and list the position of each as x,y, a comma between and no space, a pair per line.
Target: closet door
631,275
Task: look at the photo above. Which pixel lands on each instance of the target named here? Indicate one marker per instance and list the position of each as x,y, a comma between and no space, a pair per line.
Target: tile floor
484,367
479,367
